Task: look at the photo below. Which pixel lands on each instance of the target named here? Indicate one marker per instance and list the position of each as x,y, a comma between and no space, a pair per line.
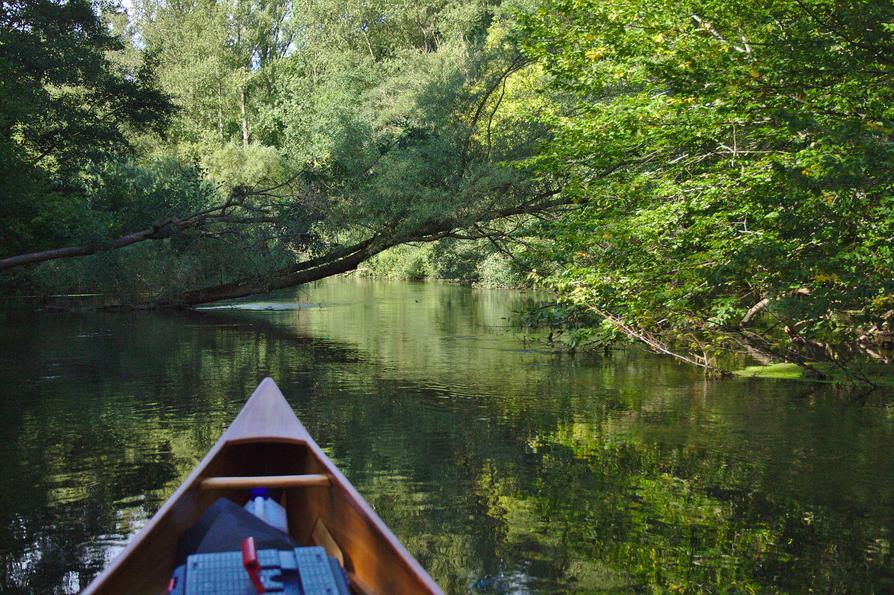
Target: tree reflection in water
501,468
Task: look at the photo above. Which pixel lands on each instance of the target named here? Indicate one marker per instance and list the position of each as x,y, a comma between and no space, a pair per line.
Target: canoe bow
376,561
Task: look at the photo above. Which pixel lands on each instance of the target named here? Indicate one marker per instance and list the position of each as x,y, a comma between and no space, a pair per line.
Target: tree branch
158,230
342,260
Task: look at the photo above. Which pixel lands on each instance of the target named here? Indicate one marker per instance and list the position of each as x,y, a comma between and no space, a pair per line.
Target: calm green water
501,467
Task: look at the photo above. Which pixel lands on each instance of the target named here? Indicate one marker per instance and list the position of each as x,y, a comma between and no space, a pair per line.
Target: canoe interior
369,556
266,458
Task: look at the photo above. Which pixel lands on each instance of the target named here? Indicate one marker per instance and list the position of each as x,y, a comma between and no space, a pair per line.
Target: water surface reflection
502,467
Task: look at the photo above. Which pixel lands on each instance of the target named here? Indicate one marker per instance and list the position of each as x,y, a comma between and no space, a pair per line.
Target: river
502,466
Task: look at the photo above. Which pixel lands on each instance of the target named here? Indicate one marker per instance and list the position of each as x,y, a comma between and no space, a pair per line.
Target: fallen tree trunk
75,251
298,275
340,261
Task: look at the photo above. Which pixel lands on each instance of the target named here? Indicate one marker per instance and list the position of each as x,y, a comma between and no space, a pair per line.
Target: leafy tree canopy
68,100
700,176
733,163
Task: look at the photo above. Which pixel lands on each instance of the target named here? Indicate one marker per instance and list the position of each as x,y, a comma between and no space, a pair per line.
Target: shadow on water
501,468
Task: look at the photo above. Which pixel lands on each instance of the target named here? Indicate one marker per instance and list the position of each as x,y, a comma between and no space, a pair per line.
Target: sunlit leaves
725,154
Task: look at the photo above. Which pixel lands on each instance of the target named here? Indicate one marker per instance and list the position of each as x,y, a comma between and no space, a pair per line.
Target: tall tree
197,66
414,144
65,104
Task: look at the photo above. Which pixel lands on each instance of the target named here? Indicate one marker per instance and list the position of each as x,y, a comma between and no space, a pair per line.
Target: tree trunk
368,45
289,277
155,232
340,261
244,118
158,230
220,125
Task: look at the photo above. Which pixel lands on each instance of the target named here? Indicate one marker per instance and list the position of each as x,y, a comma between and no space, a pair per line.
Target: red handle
251,564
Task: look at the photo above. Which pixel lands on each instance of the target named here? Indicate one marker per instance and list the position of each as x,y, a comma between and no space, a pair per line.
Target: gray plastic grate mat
302,571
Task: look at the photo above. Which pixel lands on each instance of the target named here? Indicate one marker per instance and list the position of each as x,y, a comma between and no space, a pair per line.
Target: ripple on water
263,306
502,468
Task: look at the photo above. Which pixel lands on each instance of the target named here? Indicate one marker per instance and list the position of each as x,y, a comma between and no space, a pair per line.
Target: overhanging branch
158,230
340,260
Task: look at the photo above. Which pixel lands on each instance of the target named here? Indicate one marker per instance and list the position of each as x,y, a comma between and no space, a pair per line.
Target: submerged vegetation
870,373
701,177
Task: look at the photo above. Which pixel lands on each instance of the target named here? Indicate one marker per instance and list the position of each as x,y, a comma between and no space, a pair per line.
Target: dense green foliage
724,154
70,96
728,168
318,134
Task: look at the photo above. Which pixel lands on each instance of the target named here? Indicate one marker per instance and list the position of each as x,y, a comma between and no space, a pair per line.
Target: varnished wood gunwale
373,555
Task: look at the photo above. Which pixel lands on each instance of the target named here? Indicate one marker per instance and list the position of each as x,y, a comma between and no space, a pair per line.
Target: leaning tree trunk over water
157,230
340,260
296,275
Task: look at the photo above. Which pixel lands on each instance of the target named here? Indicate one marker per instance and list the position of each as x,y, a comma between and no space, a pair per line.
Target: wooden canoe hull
267,430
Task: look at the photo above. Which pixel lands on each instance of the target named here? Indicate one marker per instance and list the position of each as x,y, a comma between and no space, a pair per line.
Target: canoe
266,446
